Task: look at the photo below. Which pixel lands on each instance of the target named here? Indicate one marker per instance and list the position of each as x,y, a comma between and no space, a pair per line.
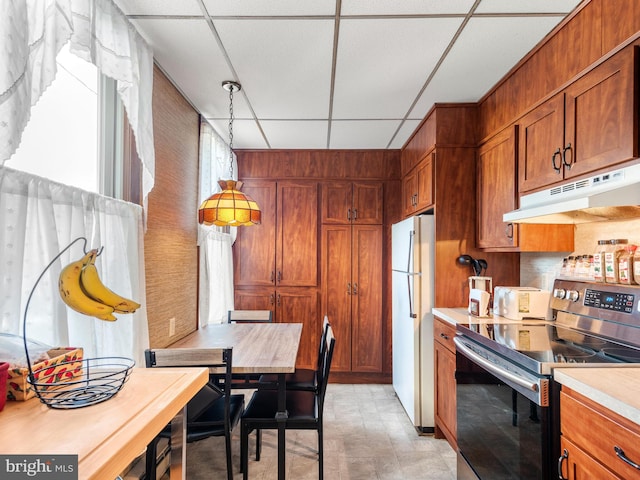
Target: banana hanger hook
26,308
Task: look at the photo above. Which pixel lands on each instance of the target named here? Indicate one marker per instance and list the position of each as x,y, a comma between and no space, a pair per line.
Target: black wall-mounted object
479,265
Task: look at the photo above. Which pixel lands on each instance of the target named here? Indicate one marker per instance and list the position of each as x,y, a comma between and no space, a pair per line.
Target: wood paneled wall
171,255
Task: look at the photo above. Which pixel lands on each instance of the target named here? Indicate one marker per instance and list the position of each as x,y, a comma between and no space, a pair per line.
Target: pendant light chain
231,132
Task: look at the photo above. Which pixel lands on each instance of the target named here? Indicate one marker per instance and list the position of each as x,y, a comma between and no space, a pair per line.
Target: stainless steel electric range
507,401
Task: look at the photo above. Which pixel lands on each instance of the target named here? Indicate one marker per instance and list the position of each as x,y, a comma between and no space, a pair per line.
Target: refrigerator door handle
411,312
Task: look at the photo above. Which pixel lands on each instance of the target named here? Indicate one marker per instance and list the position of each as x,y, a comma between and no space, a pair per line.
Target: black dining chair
305,412
248,381
302,378
250,316
213,412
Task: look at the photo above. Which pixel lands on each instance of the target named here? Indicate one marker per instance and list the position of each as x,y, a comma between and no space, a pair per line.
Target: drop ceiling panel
186,50
284,65
296,135
246,133
527,6
472,68
382,64
405,7
160,7
270,8
351,133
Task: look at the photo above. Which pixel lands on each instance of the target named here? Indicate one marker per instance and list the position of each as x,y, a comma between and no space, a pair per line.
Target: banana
73,295
94,288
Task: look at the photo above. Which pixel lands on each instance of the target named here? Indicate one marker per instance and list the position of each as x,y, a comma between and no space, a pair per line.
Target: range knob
572,295
559,293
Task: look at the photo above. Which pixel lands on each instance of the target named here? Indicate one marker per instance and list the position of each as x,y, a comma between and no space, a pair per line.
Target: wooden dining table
257,348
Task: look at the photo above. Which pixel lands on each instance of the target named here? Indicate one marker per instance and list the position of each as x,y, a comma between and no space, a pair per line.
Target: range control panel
619,302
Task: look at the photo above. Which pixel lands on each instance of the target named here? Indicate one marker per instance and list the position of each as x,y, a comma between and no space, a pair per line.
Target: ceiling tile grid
339,74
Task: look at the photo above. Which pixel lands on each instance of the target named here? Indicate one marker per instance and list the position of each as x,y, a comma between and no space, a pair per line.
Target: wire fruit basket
92,380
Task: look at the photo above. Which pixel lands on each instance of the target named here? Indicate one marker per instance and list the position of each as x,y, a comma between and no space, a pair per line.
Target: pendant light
230,207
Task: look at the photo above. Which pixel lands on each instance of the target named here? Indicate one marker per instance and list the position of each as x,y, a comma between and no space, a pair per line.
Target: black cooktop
540,346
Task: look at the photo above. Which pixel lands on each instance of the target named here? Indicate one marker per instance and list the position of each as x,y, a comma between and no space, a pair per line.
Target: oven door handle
493,368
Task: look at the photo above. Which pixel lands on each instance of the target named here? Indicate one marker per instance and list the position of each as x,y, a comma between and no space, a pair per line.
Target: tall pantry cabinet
352,272
276,263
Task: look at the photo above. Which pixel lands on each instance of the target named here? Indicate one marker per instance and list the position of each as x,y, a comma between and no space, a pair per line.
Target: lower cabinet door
575,464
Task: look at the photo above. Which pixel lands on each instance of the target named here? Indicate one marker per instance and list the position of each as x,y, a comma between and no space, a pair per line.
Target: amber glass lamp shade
230,207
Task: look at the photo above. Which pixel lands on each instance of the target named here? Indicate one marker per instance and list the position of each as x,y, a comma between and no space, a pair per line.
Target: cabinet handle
278,300
553,160
349,288
355,214
564,156
349,214
355,288
563,457
272,276
271,299
623,457
444,335
279,276
508,231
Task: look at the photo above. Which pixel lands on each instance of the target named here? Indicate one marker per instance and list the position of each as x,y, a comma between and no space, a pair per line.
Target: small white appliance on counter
517,303
413,253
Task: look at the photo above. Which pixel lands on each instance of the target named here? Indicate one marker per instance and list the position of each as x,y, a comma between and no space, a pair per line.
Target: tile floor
368,436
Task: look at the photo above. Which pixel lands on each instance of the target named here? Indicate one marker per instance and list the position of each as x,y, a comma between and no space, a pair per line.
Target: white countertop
617,389
461,315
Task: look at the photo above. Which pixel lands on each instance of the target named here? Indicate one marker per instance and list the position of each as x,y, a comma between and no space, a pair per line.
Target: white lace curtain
39,219
216,260
32,32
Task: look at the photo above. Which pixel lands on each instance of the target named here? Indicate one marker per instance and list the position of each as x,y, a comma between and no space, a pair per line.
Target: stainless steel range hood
613,195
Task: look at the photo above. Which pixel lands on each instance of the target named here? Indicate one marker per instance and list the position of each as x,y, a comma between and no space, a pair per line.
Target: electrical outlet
172,326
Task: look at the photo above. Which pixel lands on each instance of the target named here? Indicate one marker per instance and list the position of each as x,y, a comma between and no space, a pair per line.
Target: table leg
178,467
281,418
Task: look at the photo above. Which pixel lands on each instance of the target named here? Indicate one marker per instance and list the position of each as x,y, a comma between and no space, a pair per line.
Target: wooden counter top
107,436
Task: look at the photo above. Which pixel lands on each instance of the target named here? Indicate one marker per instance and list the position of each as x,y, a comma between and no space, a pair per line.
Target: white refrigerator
413,253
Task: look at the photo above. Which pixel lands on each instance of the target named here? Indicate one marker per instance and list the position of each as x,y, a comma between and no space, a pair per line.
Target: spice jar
598,261
636,268
625,265
611,260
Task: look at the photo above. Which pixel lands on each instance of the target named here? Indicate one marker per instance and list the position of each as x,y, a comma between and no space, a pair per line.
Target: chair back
250,316
323,344
323,379
218,360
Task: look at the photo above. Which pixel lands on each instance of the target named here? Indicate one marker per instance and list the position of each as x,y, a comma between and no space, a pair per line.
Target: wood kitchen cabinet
283,250
288,305
590,434
352,202
352,295
497,194
445,382
276,262
589,125
418,186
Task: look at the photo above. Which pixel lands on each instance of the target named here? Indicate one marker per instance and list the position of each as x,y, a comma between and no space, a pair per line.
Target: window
78,135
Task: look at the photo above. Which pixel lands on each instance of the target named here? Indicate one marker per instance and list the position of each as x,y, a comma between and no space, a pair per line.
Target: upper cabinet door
255,247
497,190
601,116
346,202
591,125
336,202
297,234
541,144
367,203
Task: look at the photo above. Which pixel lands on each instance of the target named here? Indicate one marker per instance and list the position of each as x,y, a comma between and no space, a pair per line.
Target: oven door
503,418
